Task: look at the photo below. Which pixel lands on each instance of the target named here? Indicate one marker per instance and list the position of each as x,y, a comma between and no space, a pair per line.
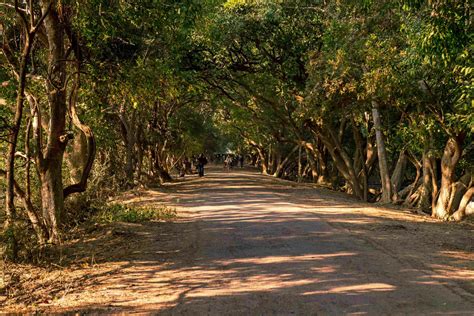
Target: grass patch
132,214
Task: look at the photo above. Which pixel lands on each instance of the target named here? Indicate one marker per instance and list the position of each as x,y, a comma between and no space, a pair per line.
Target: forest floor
250,244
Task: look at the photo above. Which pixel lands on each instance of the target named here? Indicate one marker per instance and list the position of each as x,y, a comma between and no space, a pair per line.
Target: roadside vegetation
372,98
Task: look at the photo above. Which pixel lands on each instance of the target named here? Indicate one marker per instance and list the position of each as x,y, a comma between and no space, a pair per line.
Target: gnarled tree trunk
311,162
451,155
50,159
158,166
261,155
50,167
323,172
424,196
463,209
398,173
76,157
344,164
282,163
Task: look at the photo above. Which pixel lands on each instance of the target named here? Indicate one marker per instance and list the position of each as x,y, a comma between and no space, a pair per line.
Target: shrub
132,214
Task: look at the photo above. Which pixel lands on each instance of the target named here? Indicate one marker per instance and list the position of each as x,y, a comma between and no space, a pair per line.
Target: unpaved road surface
247,244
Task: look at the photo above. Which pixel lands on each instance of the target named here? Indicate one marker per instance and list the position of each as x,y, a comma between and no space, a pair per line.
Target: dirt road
253,245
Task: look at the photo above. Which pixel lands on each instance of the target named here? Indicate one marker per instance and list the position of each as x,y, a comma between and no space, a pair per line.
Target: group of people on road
185,166
233,160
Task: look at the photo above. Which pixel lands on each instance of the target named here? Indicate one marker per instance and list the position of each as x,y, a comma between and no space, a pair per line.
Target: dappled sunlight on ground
280,259
256,239
249,244
355,289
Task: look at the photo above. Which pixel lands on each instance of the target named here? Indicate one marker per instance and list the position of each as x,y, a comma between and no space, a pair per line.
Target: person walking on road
228,163
241,161
202,161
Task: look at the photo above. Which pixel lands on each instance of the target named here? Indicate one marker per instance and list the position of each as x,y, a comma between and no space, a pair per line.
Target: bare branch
86,130
32,15
41,19
11,6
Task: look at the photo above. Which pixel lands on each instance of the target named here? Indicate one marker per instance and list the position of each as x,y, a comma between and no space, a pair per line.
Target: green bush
131,214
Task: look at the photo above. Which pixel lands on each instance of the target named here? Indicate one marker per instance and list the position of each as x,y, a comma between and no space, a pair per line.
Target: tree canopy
374,98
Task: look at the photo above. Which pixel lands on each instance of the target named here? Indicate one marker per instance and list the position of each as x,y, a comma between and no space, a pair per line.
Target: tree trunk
271,159
382,154
129,139
163,175
312,164
425,197
451,155
261,155
50,168
300,166
458,191
76,157
129,160
88,147
353,177
323,176
434,182
33,216
13,140
140,156
408,191
399,173
28,31
52,200
359,160
281,164
462,210
371,154
263,161
326,133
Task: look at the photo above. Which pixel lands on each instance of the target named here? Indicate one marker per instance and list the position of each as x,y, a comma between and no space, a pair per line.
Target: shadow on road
250,244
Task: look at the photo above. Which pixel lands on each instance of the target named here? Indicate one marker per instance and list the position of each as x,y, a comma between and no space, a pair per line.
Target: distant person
202,161
241,161
228,162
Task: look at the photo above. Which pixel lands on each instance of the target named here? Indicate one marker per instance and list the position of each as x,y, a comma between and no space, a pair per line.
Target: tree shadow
255,245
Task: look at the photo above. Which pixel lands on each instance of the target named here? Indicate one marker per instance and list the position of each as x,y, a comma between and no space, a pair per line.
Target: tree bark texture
282,163
344,164
398,173
382,155
463,209
451,156
76,157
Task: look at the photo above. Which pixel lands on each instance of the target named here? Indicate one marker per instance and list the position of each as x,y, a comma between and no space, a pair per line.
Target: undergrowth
132,214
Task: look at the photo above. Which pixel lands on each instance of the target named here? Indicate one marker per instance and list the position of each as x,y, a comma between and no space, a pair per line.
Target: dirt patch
77,267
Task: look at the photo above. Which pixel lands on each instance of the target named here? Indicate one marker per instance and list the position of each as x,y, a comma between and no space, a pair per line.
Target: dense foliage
374,98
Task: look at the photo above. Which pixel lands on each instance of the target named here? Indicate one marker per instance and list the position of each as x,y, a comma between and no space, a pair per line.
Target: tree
58,58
